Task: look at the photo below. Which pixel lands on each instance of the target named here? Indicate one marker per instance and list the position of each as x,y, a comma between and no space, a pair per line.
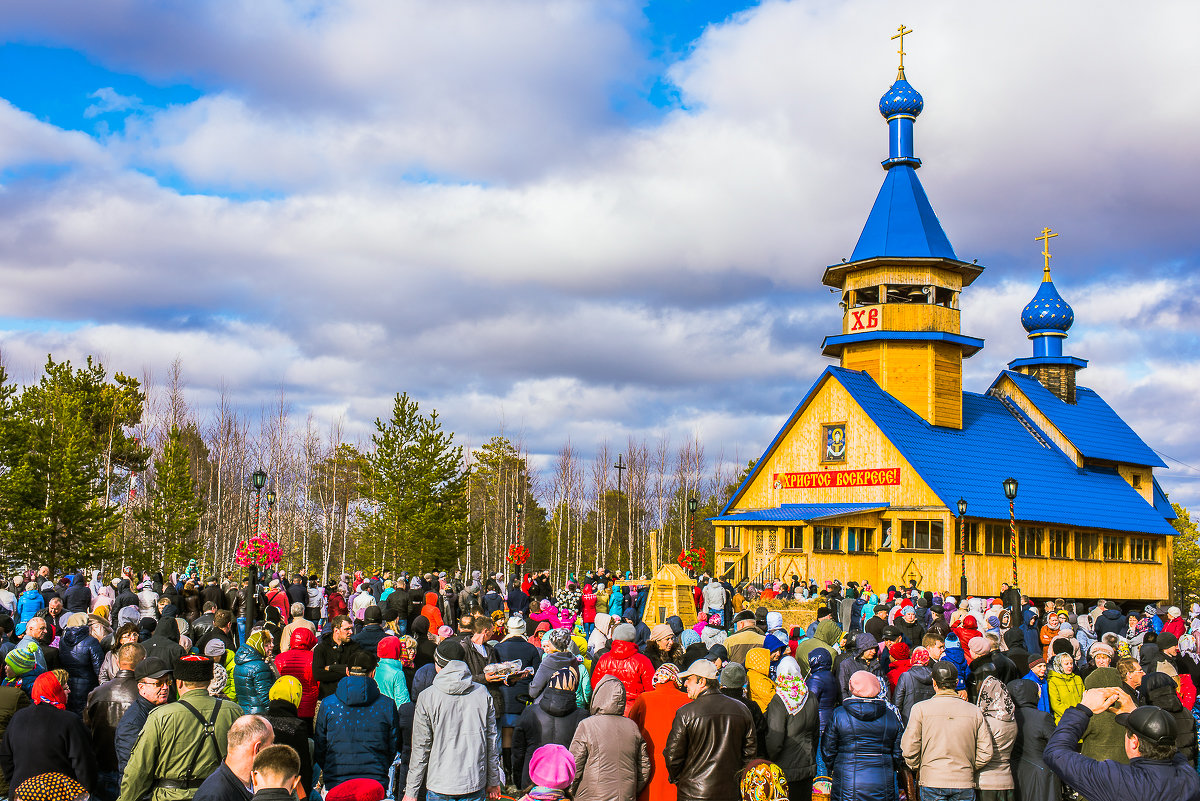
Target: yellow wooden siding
885,274
947,386
907,317
1009,389
1140,478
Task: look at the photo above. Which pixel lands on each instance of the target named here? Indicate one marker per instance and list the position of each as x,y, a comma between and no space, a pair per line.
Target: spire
902,222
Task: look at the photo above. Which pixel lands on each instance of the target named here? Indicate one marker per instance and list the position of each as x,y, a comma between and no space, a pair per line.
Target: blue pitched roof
1090,424
1162,503
972,462
902,221
800,511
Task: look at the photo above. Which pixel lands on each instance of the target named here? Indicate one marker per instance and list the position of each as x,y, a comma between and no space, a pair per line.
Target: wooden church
866,478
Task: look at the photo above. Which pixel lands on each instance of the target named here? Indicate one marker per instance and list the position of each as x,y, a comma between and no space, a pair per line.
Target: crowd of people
451,686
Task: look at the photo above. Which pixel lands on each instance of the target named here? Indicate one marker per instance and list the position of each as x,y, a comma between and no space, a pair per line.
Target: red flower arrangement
259,551
518,554
692,558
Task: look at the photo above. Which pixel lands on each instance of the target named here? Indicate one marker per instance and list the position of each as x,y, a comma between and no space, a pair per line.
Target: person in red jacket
297,661
1175,623
334,602
623,661
588,600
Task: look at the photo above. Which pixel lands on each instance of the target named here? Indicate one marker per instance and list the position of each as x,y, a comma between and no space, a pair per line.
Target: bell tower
900,288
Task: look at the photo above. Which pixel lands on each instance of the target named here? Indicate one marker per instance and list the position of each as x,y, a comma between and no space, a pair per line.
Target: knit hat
286,688
666,672
864,684
559,639
373,614
77,619
445,631
625,633
980,646
388,648
515,625
552,767
449,651
193,669
357,790
22,658
50,787
733,676
899,650
1167,640
689,637
661,632
1037,660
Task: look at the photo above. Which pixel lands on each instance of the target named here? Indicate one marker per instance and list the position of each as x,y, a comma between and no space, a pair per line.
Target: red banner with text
833,479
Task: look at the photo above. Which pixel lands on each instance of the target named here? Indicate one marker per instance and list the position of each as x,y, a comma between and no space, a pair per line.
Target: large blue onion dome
1047,311
901,98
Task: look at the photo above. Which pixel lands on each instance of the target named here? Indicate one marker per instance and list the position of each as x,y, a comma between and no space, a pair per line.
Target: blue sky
581,219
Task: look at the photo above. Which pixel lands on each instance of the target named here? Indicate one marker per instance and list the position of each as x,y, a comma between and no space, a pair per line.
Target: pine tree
417,484
170,517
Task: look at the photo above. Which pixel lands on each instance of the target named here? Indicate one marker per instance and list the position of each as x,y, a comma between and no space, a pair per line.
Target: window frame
820,533
788,533
1117,544
1027,535
1056,536
867,533
915,535
971,534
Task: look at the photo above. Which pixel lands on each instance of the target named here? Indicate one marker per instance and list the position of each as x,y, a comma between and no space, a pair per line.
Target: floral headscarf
764,781
919,655
408,651
1056,664
1187,644
666,672
790,686
47,689
994,700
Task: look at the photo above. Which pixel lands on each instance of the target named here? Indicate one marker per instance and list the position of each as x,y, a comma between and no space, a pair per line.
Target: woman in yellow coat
1064,685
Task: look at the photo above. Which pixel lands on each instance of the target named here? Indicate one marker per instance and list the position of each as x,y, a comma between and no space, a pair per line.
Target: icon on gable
835,443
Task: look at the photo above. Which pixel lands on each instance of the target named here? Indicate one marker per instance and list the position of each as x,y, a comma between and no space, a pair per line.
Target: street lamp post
962,547
258,480
1010,492
692,505
519,506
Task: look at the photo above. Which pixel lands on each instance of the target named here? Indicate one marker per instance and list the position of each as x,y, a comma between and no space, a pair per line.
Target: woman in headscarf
861,744
289,727
793,728
758,677
253,675
1064,686
125,635
995,779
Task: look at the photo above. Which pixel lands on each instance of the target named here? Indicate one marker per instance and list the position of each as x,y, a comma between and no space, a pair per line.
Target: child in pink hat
552,770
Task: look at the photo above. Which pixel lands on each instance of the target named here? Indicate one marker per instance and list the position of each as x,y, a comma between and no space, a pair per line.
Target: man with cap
152,678
711,739
372,631
455,738
1156,769
745,637
183,742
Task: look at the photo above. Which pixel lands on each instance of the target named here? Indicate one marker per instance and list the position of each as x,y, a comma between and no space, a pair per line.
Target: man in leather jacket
711,739
106,705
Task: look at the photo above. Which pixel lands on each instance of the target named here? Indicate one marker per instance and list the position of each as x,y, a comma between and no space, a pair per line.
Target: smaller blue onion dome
1047,311
901,98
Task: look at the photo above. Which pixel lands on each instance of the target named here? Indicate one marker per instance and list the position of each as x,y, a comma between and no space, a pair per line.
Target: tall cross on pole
1045,240
901,33
620,466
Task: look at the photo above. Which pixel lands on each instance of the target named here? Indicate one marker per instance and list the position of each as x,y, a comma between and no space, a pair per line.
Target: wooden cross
902,32
1045,240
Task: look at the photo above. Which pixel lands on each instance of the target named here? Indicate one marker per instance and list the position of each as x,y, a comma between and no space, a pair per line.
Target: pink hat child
550,768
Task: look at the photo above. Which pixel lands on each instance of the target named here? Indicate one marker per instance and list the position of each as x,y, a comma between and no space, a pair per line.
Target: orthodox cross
1045,240
902,32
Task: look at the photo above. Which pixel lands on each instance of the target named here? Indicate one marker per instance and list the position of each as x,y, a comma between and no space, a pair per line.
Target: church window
858,540
733,538
793,538
1143,550
996,539
1087,546
1029,541
827,538
970,533
1060,543
1114,549
921,535
867,296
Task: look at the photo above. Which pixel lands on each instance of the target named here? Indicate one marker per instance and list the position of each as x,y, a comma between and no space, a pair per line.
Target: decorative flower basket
693,559
258,551
518,554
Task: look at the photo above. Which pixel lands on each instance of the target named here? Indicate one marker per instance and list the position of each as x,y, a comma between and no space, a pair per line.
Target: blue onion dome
1047,311
901,98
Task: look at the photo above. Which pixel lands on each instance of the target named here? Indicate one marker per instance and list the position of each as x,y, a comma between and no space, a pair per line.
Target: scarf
995,702
408,651
48,690
538,793
792,690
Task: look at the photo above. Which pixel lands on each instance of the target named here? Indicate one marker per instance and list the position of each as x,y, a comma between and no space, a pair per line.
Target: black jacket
211,593
291,730
1111,621
398,603
330,662
710,742
45,739
78,598
222,785
911,632
756,715
792,741
106,706
552,719
12,699
129,729
368,639
1033,780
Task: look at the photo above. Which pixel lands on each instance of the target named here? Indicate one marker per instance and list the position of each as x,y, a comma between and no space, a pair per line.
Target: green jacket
172,740
827,635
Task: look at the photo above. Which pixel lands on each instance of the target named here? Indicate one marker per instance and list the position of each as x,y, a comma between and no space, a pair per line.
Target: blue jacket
954,654
80,655
252,680
1031,633
357,733
1110,780
1043,692
861,745
129,729
823,684
29,604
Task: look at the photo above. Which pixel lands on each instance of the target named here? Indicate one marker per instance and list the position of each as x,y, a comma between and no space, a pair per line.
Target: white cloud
108,100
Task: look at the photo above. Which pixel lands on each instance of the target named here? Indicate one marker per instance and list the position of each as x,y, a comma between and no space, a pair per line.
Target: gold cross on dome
1045,240
901,33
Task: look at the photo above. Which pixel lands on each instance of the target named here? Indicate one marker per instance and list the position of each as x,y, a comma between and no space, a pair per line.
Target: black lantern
519,506
259,479
962,507
270,498
692,505
1010,488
